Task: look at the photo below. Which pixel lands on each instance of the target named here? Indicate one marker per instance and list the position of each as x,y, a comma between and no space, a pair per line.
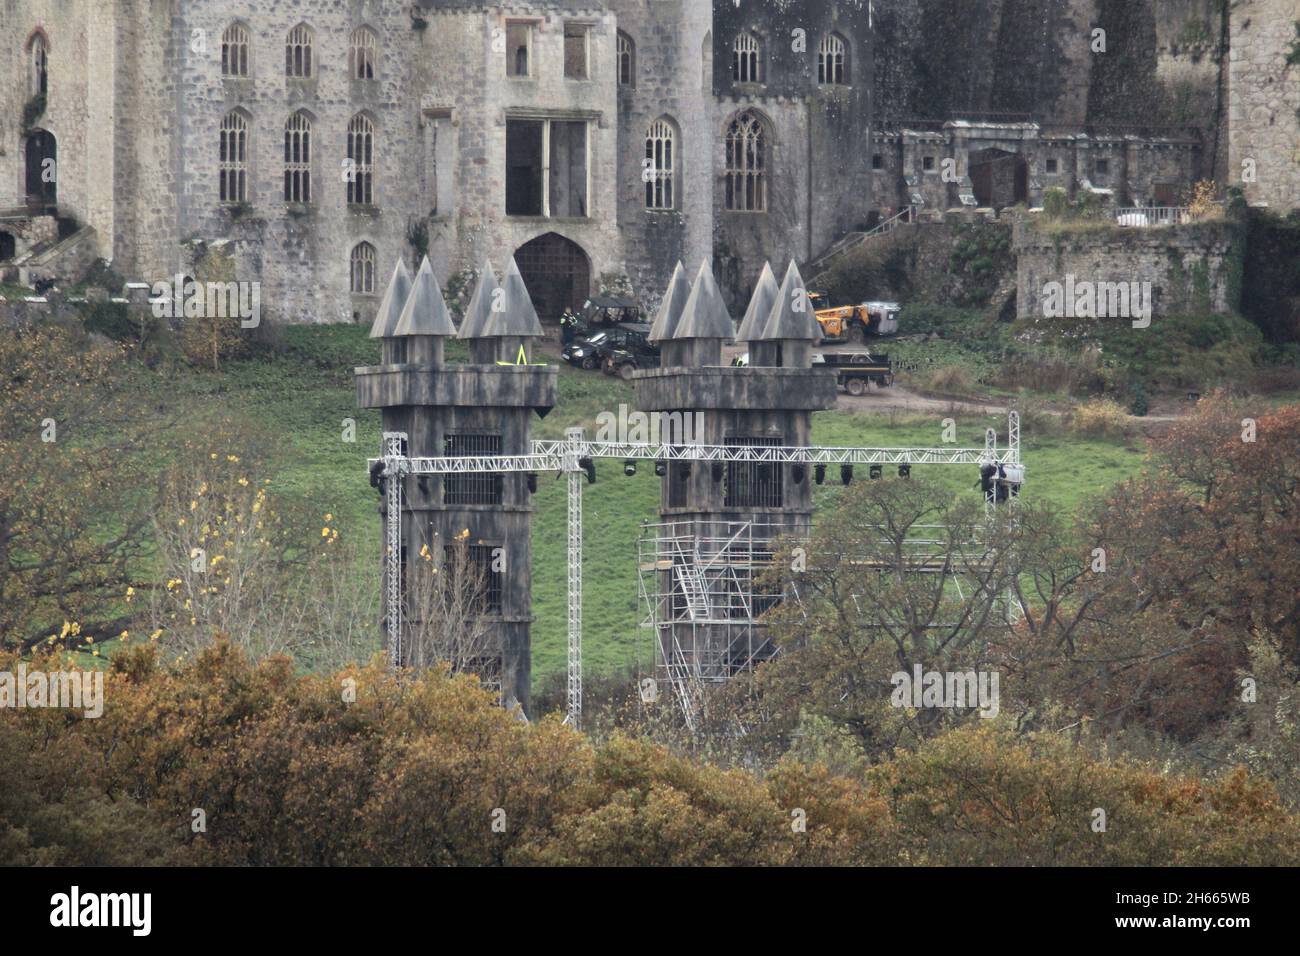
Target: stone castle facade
318,141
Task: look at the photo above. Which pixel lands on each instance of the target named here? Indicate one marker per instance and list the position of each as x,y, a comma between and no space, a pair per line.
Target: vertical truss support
395,467
575,476
990,455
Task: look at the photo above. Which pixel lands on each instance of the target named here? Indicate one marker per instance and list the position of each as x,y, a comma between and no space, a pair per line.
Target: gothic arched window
297,158
363,269
832,61
234,50
747,59
39,82
297,52
626,59
661,165
746,169
361,156
232,158
363,54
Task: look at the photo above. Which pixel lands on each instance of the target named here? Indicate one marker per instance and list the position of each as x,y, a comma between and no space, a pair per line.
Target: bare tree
449,600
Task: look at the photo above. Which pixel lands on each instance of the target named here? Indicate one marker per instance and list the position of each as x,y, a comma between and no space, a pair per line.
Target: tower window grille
469,488
753,484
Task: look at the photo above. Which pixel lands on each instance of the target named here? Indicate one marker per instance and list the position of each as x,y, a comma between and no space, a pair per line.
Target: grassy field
302,394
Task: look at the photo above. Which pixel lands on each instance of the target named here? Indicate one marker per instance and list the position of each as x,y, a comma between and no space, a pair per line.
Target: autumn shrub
976,796
220,761
1099,417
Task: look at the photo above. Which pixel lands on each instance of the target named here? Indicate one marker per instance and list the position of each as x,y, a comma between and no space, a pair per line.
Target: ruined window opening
877,161
1103,167
232,159
626,55
363,52
1051,165
747,59
297,52
472,488
363,269
831,60
234,51
577,37
519,47
297,159
746,170
546,168
927,163
660,166
361,156
753,484
40,78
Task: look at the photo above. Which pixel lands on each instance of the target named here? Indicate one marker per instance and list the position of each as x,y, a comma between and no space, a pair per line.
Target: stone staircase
66,258
852,240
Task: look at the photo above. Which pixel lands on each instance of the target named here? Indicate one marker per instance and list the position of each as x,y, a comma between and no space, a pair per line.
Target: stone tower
483,407
722,517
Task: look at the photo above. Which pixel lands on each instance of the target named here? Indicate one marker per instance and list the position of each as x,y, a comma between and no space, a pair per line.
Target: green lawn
303,394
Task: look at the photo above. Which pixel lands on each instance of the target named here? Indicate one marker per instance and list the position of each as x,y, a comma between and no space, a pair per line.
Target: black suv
591,351
623,359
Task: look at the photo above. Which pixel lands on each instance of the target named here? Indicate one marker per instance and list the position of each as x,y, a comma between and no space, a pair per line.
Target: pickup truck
856,370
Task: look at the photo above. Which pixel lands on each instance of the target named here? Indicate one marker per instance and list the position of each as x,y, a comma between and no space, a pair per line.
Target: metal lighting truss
567,457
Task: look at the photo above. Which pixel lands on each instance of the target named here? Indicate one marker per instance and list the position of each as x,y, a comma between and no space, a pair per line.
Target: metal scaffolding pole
394,476
575,479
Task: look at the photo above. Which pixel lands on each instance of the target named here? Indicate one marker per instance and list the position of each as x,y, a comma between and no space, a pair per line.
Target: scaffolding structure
700,579
702,584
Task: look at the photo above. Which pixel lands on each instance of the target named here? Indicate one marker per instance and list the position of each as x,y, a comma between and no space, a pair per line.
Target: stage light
629,467
846,474
819,473
589,466
904,471
717,471
661,468
875,472
798,473
532,482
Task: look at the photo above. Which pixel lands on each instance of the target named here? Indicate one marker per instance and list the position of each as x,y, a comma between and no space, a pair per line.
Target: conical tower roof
670,309
480,304
425,312
705,314
390,306
518,317
760,305
793,315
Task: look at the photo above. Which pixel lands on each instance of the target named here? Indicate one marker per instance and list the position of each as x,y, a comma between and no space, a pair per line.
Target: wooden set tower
480,408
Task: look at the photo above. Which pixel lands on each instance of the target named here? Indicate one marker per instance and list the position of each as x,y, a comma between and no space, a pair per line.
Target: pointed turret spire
792,316
425,312
390,306
705,314
760,306
670,309
480,304
516,316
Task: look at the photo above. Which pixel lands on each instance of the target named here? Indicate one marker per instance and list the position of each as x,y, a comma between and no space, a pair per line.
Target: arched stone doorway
998,178
557,273
8,246
42,168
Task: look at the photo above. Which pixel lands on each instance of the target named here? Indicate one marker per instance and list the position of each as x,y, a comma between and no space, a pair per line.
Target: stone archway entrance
557,273
998,178
42,168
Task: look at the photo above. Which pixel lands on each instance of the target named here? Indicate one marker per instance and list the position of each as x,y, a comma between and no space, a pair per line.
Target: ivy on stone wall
33,110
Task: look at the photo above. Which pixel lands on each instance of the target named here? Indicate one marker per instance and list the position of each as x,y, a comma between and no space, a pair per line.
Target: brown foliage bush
426,770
